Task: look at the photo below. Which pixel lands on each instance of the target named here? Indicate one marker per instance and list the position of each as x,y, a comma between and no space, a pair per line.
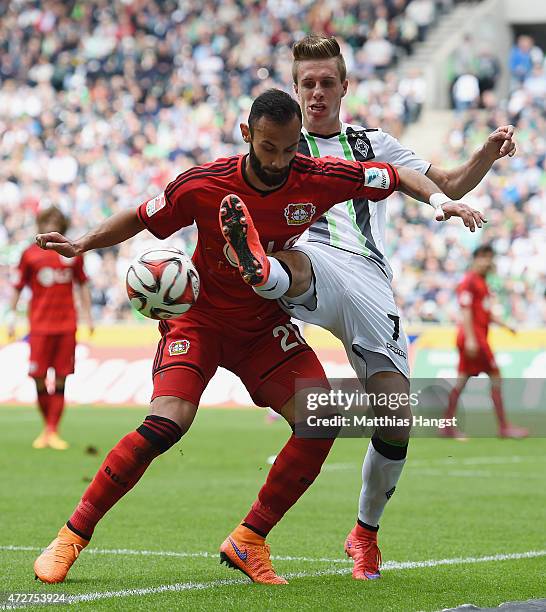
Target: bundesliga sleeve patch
377,178
156,204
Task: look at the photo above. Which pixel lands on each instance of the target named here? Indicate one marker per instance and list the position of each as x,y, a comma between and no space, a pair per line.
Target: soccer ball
162,283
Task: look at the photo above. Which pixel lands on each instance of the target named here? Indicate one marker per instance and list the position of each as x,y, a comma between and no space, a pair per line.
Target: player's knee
300,268
60,385
391,448
40,383
170,419
161,433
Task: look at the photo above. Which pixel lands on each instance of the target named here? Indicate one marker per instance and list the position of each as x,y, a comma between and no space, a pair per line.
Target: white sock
379,478
277,284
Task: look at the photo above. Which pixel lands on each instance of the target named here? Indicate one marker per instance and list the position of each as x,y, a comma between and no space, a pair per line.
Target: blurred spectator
422,12
466,92
520,61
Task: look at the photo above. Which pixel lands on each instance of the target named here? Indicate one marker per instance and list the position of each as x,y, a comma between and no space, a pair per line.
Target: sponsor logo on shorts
362,147
377,178
298,214
156,204
179,347
396,350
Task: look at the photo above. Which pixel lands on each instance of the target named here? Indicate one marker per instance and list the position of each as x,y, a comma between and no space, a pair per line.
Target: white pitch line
473,460
195,586
172,553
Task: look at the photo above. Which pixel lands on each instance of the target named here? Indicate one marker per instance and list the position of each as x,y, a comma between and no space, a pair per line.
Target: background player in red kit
230,325
52,318
475,354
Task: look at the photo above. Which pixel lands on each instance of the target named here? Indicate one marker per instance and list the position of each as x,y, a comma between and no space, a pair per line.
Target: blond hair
316,47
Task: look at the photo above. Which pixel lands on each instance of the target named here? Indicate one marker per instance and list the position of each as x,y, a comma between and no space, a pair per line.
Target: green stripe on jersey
350,204
332,226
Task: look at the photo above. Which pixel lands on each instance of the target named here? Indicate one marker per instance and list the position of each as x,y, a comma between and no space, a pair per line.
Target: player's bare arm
85,300
498,321
458,181
11,314
421,188
470,344
116,229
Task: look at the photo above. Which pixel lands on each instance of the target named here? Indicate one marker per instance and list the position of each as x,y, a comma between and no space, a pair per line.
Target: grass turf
482,497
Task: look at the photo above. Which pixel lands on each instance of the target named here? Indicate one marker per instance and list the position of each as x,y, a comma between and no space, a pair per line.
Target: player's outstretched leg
241,235
121,470
269,277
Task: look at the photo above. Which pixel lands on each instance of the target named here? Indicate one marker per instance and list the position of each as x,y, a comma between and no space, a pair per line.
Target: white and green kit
352,295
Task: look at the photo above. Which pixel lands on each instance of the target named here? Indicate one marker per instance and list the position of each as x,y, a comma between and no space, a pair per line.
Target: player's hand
501,142
470,216
53,241
11,332
471,347
10,325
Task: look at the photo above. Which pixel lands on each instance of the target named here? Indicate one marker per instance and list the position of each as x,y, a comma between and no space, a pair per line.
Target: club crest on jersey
362,147
156,204
298,214
179,347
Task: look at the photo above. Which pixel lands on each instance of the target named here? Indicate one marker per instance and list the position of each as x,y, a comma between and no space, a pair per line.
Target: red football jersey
473,292
50,278
280,216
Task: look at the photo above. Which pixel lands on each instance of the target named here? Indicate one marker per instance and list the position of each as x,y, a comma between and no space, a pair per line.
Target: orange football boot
513,431
247,551
365,554
241,235
53,564
41,440
55,442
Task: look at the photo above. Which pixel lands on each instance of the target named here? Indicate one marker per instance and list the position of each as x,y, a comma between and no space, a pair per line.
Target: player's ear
295,86
245,132
345,86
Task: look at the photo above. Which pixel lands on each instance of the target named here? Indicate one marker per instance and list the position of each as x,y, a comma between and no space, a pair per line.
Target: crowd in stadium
102,103
428,259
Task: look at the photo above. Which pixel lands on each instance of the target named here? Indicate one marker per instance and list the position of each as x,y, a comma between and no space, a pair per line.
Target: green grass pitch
465,501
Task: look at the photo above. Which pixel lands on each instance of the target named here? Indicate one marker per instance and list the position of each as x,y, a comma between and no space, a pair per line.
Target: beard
267,177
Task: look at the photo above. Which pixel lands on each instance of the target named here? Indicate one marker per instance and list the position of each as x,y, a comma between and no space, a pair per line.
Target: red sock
119,473
55,411
453,400
294,470
121,470
43,403
496,396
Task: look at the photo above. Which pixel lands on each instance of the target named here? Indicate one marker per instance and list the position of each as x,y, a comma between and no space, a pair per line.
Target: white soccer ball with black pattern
162,283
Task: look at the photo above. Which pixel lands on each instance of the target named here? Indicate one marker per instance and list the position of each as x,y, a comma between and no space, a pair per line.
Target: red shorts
268,359
483,362
55,351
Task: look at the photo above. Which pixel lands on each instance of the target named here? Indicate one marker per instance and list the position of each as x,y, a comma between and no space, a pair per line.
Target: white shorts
354,300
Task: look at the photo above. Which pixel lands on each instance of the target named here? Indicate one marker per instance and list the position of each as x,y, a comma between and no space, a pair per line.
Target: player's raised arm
116,229
458,181
421,188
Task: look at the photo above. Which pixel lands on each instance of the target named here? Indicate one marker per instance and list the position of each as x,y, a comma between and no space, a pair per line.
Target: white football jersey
357,225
